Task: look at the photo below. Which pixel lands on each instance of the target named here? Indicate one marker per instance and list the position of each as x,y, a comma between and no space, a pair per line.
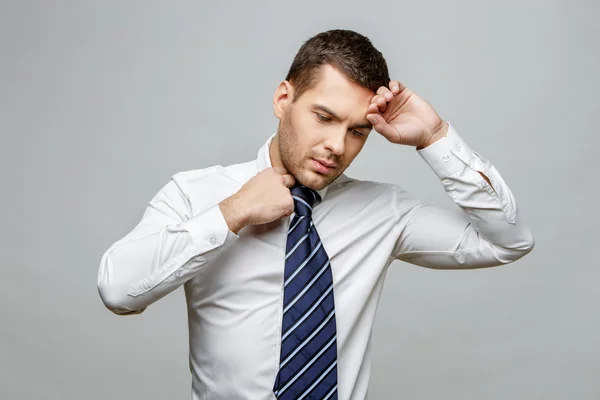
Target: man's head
322,105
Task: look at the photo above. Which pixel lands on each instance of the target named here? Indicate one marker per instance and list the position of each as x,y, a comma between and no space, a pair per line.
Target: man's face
322,132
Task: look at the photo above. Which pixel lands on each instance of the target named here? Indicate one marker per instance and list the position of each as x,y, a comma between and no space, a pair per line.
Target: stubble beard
292,160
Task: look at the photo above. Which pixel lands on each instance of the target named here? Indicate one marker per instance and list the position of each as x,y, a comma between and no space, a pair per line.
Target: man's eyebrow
366,125
321,107
327,110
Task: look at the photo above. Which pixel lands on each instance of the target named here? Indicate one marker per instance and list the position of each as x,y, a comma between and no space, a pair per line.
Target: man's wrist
234,216
435,135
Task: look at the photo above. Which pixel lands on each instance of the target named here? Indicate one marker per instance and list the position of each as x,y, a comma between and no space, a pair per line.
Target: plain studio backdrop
101,102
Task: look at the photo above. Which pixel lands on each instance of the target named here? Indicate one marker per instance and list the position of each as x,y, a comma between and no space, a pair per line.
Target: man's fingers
380,101
382,104
288,180
372,109
385,93
396,86
375,121
381,126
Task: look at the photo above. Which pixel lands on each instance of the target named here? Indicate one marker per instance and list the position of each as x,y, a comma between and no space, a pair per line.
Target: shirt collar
264,161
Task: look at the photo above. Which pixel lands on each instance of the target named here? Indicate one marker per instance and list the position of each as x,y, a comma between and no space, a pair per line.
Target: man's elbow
527,244
520,248
116,300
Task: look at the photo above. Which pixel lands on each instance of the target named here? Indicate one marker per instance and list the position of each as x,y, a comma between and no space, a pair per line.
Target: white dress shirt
234,283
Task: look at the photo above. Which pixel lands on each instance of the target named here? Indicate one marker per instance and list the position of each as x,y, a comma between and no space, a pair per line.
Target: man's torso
235,305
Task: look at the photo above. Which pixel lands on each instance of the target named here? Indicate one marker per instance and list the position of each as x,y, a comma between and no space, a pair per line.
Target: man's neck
274,155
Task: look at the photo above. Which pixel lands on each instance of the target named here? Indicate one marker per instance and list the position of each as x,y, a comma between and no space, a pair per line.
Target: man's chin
314,180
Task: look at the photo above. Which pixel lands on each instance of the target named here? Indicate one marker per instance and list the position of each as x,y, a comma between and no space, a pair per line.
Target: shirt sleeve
165,249
486,230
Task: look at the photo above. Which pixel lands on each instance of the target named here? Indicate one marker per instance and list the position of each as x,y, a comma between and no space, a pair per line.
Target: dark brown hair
349,52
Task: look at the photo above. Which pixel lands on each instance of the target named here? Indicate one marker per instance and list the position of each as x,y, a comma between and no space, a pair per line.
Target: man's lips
326,163
323,166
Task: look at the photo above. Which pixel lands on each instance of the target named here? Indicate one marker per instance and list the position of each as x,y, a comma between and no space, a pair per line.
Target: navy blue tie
308,360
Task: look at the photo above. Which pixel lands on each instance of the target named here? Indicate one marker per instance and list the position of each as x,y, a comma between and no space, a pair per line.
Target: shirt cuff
447,155
209,229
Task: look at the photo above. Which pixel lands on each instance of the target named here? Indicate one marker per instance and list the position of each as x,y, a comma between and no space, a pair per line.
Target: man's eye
323,118
358,133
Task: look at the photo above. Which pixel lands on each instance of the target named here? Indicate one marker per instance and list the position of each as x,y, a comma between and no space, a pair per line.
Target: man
283,258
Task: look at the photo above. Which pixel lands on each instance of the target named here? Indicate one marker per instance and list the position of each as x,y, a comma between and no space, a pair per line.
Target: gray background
101,102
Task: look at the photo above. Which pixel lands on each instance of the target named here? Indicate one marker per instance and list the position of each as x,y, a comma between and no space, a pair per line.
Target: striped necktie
308,360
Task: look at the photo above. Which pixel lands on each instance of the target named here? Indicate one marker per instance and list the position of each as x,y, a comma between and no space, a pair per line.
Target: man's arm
486,231
170,245
163,251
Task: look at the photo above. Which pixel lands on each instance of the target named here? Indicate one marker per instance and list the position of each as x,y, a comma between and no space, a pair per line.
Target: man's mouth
323,166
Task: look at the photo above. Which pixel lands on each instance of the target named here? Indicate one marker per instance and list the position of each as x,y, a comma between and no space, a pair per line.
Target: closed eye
323,118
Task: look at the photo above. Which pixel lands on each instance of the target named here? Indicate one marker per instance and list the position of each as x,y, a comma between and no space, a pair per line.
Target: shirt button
177,274
213,239
446,158
458,147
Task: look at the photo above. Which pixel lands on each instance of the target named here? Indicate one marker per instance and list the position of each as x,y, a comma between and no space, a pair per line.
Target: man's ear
282,98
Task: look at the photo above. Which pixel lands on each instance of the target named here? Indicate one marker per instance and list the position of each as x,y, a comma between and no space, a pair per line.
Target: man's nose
336,142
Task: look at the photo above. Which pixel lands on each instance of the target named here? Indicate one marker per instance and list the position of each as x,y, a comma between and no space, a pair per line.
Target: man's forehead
329,76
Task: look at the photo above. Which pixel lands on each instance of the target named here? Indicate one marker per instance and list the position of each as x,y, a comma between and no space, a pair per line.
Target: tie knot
304,199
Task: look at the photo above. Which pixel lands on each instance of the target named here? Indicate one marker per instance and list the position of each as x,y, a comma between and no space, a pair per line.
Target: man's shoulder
239,172
204,186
